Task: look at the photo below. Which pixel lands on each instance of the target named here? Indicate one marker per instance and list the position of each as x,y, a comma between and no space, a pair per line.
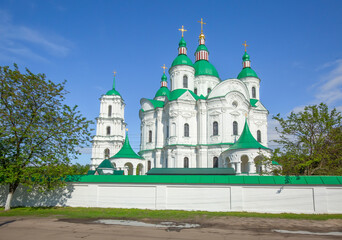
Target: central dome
203,67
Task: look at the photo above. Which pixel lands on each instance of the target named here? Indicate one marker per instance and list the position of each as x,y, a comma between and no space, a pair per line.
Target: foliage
78,169
311,142
135,214
39,134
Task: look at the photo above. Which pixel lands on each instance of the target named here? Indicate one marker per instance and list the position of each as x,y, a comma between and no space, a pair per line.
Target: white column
238,167
159,129
252,168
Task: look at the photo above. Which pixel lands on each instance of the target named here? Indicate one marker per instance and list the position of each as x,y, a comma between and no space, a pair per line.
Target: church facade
200,121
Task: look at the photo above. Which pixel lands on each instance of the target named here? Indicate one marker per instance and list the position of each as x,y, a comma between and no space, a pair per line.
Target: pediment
187,96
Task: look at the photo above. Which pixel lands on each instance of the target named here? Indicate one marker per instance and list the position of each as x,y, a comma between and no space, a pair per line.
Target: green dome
201,47
182,59
247,72
164,78
163,91
245,57
113,92
203,67
182,43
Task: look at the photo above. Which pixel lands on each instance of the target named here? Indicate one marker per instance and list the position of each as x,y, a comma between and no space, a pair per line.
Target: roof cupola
182,58
113,91
163,90
202,51
247,71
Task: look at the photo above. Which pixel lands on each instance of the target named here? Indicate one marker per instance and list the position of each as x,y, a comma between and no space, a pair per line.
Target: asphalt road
27,228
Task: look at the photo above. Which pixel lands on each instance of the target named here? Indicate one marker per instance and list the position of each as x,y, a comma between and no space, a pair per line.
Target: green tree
39,134
78,169
311,142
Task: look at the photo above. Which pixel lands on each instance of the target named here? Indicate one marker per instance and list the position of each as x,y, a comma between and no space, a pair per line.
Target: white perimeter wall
271,199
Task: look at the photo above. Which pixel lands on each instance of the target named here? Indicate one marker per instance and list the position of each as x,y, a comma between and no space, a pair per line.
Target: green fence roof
191,171
210,179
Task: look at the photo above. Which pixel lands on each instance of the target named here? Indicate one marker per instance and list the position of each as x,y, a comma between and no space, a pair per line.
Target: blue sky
295,48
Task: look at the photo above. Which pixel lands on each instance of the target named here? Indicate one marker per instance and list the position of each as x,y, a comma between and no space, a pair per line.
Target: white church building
199,121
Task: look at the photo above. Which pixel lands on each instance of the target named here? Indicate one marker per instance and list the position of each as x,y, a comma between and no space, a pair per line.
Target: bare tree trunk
12,188
8,201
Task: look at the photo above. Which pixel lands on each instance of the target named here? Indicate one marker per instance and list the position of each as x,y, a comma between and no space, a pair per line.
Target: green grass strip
136,214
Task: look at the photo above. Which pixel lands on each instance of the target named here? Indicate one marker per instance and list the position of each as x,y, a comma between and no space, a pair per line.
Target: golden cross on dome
114,72
163,67
126,129
245,44
182,30
201,22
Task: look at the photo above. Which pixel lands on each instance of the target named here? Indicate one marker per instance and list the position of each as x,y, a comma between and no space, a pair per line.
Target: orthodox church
200,121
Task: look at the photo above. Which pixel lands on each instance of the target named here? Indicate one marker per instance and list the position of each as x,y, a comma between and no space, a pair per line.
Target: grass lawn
136,214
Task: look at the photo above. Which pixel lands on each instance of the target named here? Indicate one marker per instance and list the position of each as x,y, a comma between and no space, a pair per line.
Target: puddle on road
142,224
310,233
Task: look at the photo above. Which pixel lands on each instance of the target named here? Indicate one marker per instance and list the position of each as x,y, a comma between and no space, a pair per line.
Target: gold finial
245,114
114,73
245,44
163,67
182,30
126,129
201,22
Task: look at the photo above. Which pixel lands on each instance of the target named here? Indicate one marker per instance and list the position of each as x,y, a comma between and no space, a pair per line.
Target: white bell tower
110,127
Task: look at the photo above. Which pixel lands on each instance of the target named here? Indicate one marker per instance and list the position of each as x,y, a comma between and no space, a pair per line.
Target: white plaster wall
206,197
176,76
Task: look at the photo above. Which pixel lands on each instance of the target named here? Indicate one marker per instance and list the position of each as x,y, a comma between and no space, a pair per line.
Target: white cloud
329,89
20,40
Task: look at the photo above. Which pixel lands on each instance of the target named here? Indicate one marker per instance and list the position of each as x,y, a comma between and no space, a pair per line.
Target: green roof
247,72
175,94
164,78
191,171
246,140
207,179
182,59
182,43
253,102
113,92
275,162
126,151
105,164
91,172
203,67
163,91
201,48
156,103
245,57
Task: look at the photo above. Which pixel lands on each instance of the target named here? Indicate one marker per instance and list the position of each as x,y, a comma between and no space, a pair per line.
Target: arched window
235,128
195,91
106,153
215,162
259,136
109,110
186,162
215,128
186,130
185,81
166,163
208,90
253,92
108,131
150,136
148,165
